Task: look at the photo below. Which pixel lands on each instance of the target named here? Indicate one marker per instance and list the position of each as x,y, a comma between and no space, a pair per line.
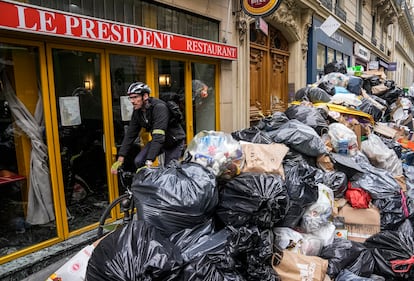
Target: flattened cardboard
361,223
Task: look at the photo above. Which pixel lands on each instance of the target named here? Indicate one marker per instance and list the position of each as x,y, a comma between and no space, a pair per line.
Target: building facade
65,67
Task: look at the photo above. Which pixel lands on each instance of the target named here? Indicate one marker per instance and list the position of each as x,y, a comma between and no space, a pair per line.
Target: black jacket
154,119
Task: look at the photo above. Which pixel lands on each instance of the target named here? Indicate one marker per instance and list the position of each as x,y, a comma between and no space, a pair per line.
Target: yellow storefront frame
106,109
51,125
51,149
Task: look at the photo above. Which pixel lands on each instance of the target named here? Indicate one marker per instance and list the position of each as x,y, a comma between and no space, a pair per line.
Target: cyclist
154,115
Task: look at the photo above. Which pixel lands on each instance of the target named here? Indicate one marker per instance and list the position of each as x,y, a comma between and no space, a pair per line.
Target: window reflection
204,98
26,218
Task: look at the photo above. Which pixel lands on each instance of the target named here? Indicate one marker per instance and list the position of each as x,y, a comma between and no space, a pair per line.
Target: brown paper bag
295,266
264,158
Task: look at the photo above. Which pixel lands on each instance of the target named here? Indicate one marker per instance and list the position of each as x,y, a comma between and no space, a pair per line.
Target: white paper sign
70,111
126,108
330,25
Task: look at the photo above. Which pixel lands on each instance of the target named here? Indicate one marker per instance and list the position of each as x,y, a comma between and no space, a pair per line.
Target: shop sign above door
38,20
260,8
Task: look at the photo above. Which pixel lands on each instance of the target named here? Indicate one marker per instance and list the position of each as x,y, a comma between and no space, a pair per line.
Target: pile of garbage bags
312,193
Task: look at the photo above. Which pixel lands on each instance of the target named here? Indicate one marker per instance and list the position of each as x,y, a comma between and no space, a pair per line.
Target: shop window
77,81
27,214
170,85
347,60
330,55
320,59
203,96
125,69
338,56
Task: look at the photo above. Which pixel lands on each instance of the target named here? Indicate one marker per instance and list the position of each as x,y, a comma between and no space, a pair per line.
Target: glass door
124,70
78,99
203,96
27,213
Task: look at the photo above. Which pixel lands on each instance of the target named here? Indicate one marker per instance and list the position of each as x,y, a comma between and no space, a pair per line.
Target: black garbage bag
309,116
345,164
253,199
273,122
312,94
190,237
317,94
392,95
136,251
302,94
363,265
300,137
393,251
341,254
253,252
355,85
394,145
385,192
252,134
294,158
369,107
335,66
328,87
176,197
366,85
337,181
226,255
302,189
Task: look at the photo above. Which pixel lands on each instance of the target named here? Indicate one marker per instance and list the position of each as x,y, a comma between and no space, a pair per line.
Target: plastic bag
253,134
300,137
380,155
175,197
318,214
273,122
335,66
302,243
335,78
134,252
393,251
337,181
302,190
337,132
253,199
217,151
346,99
309,116
341,254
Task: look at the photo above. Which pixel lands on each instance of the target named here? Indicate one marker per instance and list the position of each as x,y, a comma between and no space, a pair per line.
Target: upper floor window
359,8
142,13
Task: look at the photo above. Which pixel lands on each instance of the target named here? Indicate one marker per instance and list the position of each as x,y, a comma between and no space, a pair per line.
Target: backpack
176,116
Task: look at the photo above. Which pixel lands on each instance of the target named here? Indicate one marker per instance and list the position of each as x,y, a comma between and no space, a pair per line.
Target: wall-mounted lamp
87,84
164,80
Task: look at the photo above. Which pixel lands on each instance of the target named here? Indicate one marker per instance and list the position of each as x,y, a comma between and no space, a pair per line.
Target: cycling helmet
138,88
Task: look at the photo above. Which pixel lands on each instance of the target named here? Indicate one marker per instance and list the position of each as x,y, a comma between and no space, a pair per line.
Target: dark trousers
173,153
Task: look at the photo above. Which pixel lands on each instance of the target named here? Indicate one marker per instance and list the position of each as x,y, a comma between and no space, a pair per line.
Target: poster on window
69,111
126,108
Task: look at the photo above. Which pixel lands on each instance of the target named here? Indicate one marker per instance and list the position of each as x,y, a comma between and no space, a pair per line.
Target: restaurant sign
34,19
260,8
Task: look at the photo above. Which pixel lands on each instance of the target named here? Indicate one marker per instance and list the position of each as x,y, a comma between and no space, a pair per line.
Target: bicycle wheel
108,210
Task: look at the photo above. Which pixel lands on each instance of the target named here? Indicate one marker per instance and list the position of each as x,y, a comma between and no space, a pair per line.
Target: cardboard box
360,223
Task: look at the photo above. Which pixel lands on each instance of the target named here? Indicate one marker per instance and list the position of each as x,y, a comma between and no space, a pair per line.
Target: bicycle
126,202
